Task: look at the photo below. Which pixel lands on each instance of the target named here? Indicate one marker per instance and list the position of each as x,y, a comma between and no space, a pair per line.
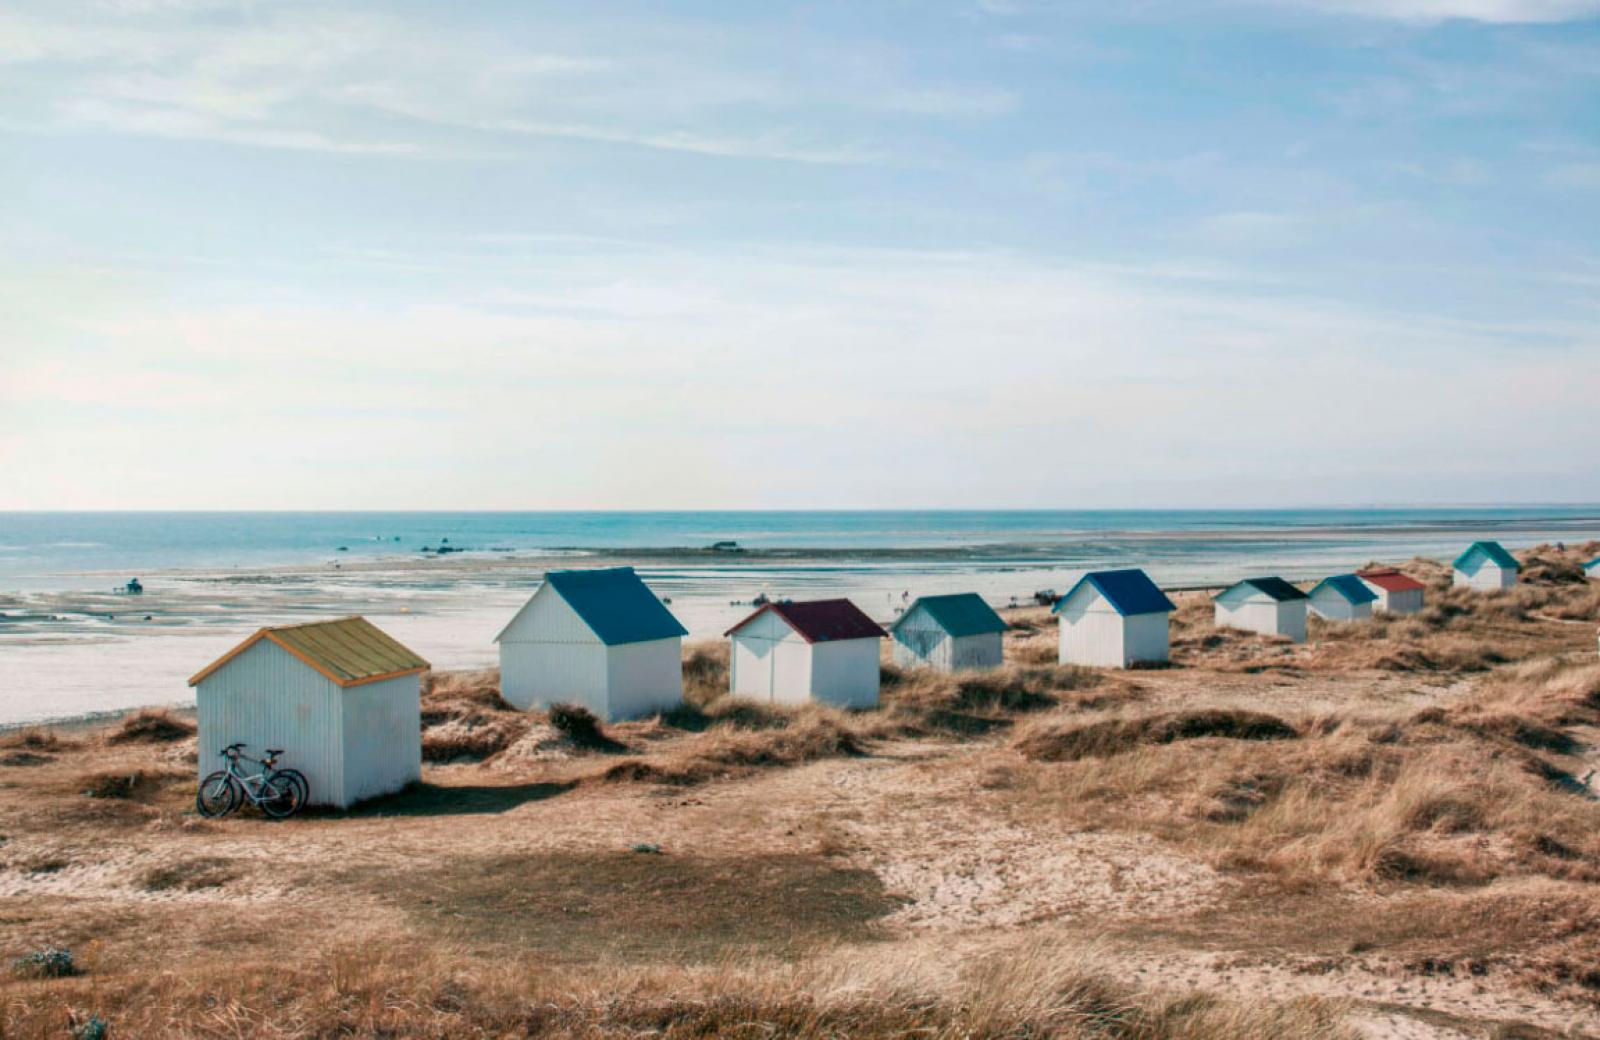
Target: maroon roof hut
790,653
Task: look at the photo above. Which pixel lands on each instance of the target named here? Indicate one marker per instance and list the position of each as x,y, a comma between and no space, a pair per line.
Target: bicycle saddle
274,751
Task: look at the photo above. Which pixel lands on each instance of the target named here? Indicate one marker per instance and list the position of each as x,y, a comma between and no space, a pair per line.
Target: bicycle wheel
218,796
297,778
281,797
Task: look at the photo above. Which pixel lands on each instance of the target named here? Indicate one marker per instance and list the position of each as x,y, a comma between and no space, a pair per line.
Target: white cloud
1493,11
503,387
343,78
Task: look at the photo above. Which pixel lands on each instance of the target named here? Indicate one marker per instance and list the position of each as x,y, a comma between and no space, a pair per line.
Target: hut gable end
547,618
1084,599
1126,592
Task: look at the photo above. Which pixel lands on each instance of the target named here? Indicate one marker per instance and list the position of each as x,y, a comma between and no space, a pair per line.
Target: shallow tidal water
71,645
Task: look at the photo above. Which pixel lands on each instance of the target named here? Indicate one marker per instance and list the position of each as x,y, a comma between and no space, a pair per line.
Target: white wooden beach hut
1114,619
1485,566
1343,597
1592,569
788,653
1397,593
598,638
949,633
341,698
1269,606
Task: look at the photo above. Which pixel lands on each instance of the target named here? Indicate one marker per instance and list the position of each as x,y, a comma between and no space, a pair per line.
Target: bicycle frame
251,784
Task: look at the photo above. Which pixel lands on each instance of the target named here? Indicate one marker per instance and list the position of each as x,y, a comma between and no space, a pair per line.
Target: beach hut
1270,606
1114,619
1592,568
597,638
788,653
1485,566
1343,597
341,698
1397,593
949,633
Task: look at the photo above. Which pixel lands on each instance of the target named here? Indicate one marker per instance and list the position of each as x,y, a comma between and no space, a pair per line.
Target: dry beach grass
1390,830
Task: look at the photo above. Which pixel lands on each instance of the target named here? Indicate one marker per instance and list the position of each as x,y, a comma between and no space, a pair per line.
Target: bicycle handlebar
236,751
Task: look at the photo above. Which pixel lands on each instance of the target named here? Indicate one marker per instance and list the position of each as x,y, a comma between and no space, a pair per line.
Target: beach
1386,831
72,645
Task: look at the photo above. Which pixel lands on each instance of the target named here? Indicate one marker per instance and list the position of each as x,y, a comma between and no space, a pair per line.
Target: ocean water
70,646
52,550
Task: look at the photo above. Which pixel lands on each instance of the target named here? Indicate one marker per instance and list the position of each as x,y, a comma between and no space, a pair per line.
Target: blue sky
1008,253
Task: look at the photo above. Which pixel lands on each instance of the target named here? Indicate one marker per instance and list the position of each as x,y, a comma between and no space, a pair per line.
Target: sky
894,254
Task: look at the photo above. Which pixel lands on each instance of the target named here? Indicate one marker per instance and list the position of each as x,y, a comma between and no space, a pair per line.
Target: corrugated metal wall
1292,620
1247,611
1091,632
919,641
844,673
1406,601
770,662
1326,603
266,697
548,655
1261,613
1485,575
644,678
984,650
382,737
1145,639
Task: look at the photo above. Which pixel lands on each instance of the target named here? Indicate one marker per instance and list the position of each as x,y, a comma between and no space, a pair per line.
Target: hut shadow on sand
426,799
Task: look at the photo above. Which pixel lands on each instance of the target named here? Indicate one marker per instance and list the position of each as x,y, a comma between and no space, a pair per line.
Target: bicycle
279,793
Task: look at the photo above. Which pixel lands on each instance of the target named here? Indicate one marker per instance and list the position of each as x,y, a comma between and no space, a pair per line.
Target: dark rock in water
342,548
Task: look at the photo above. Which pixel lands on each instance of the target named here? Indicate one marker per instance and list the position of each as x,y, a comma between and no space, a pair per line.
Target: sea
74,643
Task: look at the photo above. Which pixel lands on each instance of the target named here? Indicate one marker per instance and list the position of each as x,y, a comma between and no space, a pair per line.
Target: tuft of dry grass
480,688
151,726
1106,737
464,717
130,785
443,994
470,736
805,735
1546,564
580,726
705,671
1468,794
35,738
1008,689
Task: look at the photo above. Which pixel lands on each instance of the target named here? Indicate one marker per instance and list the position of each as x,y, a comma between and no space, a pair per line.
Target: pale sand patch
1372,982
1380,1025
42,869
541,743
938,839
